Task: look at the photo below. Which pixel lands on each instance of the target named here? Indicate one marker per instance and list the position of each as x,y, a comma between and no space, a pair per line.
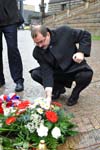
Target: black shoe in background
2,84
56,93
19,87
72,100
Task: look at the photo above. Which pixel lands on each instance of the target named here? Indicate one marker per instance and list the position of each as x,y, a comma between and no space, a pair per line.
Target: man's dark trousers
82,79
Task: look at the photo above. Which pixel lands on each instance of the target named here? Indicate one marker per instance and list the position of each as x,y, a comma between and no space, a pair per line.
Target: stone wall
80,17
59,6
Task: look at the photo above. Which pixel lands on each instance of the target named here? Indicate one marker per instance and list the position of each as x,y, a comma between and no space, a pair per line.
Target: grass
95,37
27,28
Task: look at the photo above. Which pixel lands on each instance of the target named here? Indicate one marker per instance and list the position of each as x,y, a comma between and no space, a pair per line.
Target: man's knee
35,74
84,77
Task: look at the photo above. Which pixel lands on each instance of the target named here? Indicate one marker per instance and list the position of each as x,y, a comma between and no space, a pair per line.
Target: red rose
51,116
23,104
10,120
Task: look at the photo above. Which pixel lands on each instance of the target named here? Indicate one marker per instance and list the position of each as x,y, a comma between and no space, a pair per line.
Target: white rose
56,133
42,130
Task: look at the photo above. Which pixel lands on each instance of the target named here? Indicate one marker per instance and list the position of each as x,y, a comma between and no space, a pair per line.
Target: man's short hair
38,29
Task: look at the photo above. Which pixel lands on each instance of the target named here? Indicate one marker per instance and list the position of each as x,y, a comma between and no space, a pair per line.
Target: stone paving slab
83,141
87,111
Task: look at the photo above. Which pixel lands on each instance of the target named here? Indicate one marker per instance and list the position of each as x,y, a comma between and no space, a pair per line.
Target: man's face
42,41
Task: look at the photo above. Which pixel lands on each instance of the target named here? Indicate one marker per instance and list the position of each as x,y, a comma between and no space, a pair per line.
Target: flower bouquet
24,124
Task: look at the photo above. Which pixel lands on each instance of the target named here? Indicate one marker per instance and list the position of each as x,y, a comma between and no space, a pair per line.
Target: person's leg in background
2,80
14,57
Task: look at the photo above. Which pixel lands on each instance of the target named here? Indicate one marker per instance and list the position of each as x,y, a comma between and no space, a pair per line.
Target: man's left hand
78,57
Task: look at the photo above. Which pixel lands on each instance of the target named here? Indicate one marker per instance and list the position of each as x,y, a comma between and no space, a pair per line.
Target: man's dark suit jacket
62,47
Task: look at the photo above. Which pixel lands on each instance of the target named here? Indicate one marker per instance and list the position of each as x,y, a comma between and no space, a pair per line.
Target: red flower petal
1,110
51,116
0,102
9,104
5,97
23,104
20,112
57,104
10,120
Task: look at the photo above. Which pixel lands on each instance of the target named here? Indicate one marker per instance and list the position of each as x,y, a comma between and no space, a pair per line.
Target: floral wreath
24,124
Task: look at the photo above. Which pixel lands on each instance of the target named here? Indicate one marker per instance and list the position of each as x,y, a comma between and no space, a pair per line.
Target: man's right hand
48,94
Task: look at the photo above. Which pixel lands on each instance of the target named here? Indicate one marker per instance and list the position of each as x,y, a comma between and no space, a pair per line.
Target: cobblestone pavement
87,111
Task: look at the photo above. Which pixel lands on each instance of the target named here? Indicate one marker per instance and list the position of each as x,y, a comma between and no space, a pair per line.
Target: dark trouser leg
82,80
2,80
59,80
15,62
58,83
58,89
36,75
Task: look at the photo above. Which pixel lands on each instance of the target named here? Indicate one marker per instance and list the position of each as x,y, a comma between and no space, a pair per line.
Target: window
63,6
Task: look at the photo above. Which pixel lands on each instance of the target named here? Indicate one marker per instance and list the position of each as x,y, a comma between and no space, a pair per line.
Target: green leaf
70,116
52,143
7,141
48,124
26,145
18,144
72,133
5,129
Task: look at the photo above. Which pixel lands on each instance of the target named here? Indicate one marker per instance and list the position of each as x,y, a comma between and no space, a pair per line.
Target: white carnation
56,133
42,130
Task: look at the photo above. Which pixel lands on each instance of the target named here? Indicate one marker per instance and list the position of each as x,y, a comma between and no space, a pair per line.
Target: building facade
55,6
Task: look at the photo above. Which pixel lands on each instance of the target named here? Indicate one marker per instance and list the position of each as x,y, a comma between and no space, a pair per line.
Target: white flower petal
42,130
56,133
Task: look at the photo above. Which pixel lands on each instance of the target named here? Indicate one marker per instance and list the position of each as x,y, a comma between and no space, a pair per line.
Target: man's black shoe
72,100
19,87
2,84
56,93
